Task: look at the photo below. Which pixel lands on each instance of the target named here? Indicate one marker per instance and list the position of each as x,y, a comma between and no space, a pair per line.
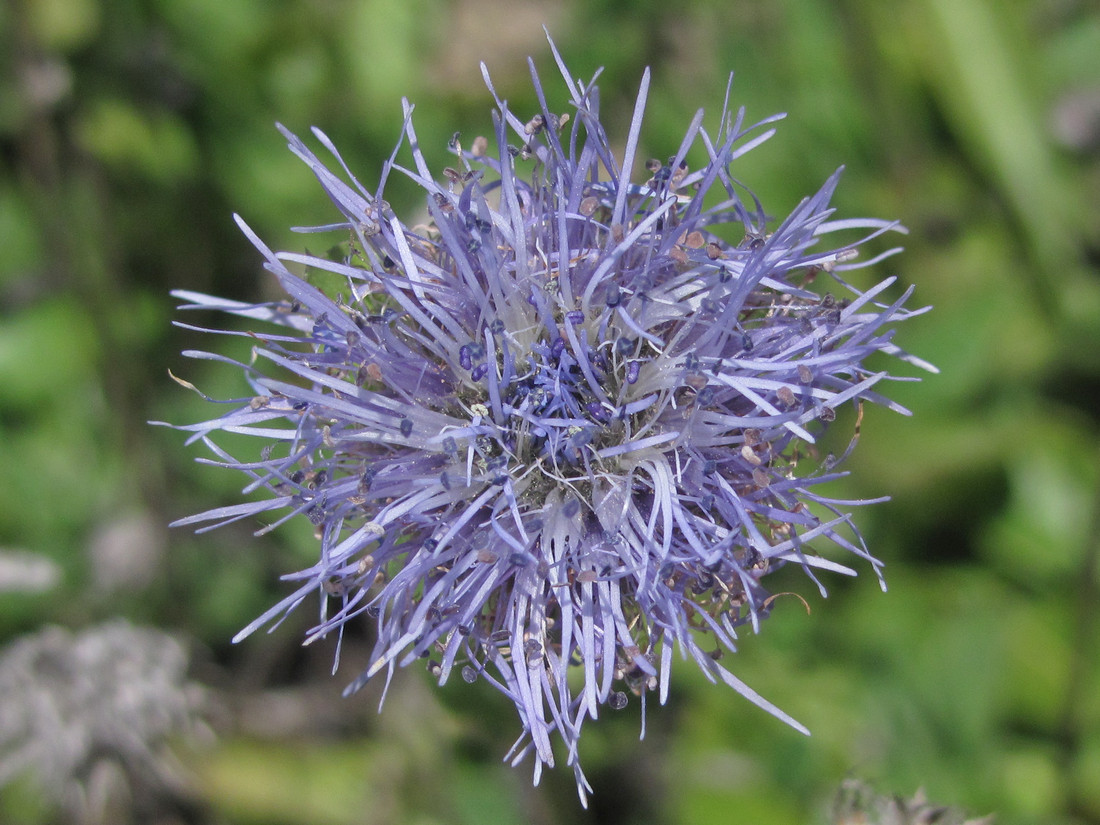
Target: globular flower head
564,424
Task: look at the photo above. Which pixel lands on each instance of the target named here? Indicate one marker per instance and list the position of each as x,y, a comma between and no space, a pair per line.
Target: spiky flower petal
565,425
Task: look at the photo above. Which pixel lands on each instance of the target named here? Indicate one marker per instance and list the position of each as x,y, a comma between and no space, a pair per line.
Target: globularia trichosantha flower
565,425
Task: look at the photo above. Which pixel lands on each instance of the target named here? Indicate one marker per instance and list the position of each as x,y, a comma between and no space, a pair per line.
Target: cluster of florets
565,425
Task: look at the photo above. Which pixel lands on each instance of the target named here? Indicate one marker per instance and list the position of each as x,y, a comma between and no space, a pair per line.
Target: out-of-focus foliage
86,717
129,133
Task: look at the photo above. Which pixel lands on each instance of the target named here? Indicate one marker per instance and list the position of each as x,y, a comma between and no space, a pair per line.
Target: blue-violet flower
564,426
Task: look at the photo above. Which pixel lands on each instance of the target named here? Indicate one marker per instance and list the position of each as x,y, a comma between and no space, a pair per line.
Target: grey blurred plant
24,572
858,804
565,426
89,715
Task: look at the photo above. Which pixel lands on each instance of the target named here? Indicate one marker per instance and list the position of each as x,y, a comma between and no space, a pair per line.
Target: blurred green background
130,131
